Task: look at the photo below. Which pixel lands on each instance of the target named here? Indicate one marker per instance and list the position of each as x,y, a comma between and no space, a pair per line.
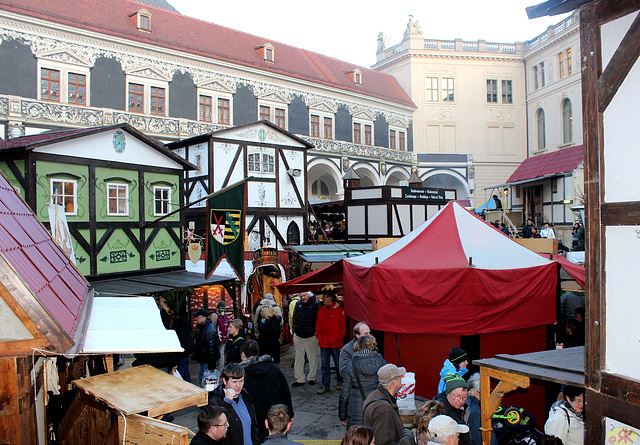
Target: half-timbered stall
113,182
276,196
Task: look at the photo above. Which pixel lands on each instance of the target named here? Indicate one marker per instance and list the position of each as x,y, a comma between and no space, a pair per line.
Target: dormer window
267,52
356,76
143,19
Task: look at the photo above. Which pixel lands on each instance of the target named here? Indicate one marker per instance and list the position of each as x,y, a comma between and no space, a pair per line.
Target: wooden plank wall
141,430
18,423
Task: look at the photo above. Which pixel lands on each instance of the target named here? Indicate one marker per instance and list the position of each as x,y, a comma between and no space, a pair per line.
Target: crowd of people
252,404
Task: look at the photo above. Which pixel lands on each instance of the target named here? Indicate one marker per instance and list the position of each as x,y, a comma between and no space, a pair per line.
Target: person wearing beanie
456,364
454,398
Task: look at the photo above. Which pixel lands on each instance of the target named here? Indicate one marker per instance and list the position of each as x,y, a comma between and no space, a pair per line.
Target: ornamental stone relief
348,148
131,58
4,105
61,113
148,124
64,57
441,114
500,115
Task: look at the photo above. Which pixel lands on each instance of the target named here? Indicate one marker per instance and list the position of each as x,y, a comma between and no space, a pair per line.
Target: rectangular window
447,90
367,135
492,91
267,163
569,68
224,111
432,89
535,77
117,199
269,55
561,65
136,98
507,92
401,140
328,128
198,163
542,80
392,139
281,118
64,193
205,113
157,101
161,201
357,133
265,113
77,86
145,22
315,126
253,162
50,85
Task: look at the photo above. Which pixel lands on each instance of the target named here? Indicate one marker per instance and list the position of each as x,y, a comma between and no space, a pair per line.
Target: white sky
348,29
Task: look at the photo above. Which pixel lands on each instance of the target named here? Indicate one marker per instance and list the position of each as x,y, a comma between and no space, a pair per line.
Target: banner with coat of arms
225,234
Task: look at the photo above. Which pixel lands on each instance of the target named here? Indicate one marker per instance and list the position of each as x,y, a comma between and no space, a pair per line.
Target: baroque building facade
470,123
174,77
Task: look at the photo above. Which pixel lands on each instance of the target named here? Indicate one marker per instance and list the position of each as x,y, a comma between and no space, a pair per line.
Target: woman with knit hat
455,364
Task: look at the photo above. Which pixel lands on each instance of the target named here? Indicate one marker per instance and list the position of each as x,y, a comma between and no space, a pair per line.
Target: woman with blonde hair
269,330
420,434
360,379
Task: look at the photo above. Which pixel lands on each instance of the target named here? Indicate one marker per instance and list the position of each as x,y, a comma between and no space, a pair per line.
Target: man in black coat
212,426
454,398
206,348
264,381
238,404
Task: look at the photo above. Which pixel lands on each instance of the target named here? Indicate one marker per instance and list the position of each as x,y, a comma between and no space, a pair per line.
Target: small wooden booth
124,407
562,366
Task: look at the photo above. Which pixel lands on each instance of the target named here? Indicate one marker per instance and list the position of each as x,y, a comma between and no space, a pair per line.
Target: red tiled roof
25,141
41,264
561,161
181,33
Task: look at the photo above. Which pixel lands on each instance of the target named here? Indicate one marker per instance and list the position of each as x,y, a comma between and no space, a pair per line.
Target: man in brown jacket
380,408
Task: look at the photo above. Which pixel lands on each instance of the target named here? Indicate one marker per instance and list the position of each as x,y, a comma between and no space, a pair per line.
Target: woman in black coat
365,363
269,330
235,342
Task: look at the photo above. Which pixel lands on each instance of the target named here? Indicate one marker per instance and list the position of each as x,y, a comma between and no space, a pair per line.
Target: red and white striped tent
455,274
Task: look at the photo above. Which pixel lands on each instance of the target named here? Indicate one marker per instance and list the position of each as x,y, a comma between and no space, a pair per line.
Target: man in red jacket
330,329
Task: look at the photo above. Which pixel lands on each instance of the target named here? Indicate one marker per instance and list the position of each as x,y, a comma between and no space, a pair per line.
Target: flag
225,230
60,230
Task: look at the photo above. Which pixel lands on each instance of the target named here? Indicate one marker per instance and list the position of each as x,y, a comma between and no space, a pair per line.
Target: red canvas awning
423,283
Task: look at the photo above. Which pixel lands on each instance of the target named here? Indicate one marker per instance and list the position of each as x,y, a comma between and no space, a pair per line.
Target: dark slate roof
37,140
557,162
29,248
177,32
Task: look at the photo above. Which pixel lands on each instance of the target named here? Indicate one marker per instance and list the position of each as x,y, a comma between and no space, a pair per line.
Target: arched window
567,121
542,143
293,234
320,188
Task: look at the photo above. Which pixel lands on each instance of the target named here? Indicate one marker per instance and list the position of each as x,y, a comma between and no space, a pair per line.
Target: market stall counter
126,407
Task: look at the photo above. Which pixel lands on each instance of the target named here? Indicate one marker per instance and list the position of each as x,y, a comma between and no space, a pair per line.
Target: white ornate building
470,125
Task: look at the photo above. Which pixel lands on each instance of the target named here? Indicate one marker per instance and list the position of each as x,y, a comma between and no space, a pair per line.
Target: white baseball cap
444,426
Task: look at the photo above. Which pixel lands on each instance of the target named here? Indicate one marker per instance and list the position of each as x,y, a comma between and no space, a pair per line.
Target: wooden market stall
124,407
563,366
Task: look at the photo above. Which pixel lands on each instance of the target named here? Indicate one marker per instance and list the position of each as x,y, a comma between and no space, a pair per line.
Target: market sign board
423,194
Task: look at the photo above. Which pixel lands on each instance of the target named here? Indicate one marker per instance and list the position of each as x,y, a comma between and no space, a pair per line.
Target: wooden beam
593,180
619,66
490,401
620,213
